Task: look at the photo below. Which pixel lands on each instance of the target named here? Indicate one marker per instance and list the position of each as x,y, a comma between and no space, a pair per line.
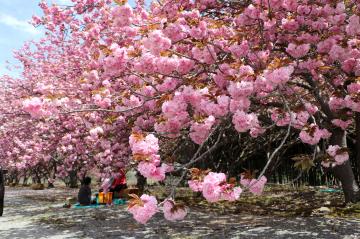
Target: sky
15,29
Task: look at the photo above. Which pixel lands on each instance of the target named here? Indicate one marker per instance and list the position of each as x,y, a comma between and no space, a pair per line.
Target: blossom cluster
337,156
214,187
146,206
178,69
145,150
312,134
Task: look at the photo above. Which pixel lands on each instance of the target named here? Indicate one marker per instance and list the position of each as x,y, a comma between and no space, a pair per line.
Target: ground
278,214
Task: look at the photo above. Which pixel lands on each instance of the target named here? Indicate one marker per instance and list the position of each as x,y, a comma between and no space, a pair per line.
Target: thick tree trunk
25,180
357,131
344,172
73,179
2,191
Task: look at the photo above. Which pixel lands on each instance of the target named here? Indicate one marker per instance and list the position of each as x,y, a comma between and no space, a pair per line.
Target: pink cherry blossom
34,106
339,156
200,31
173,212
206,55
106,184
166,65
122,15
353,28
147,146
281,119
352,103
212,190
240,89
343,124
241,104
185,65
195,185
279,76
157,42
298,51
337,53
243,121
240,50
353,88
255,186
95,132
290,25
336,103
258,186
167,167
200,131
231,194
312,134
310,108
142,213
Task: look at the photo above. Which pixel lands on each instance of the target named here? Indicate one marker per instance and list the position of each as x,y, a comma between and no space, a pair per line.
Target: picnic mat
330,190
115,202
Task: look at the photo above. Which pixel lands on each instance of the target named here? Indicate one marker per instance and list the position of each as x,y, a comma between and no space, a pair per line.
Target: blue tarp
330,190
77,205
115,202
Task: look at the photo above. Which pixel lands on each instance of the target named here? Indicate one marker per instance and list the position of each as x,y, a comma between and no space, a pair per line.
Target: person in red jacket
119,182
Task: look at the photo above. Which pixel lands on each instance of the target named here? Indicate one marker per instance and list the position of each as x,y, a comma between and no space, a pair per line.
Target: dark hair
86,181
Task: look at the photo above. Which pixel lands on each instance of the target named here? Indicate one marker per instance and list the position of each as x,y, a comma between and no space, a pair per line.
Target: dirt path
38,214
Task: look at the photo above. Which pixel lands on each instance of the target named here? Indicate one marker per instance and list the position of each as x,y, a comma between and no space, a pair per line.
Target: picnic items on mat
104,198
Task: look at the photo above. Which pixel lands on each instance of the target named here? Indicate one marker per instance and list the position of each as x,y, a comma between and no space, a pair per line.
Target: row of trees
180,86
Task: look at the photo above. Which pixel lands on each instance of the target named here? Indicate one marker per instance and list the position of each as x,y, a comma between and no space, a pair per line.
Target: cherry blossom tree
122,81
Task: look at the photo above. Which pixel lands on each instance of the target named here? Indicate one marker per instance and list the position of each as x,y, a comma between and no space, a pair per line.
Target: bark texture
73,179
344,172
357,132
2,191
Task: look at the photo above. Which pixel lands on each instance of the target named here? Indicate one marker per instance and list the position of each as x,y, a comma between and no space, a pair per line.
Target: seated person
119,182
84,195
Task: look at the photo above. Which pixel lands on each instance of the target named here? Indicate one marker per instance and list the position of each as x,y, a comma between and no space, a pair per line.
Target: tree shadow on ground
270,216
